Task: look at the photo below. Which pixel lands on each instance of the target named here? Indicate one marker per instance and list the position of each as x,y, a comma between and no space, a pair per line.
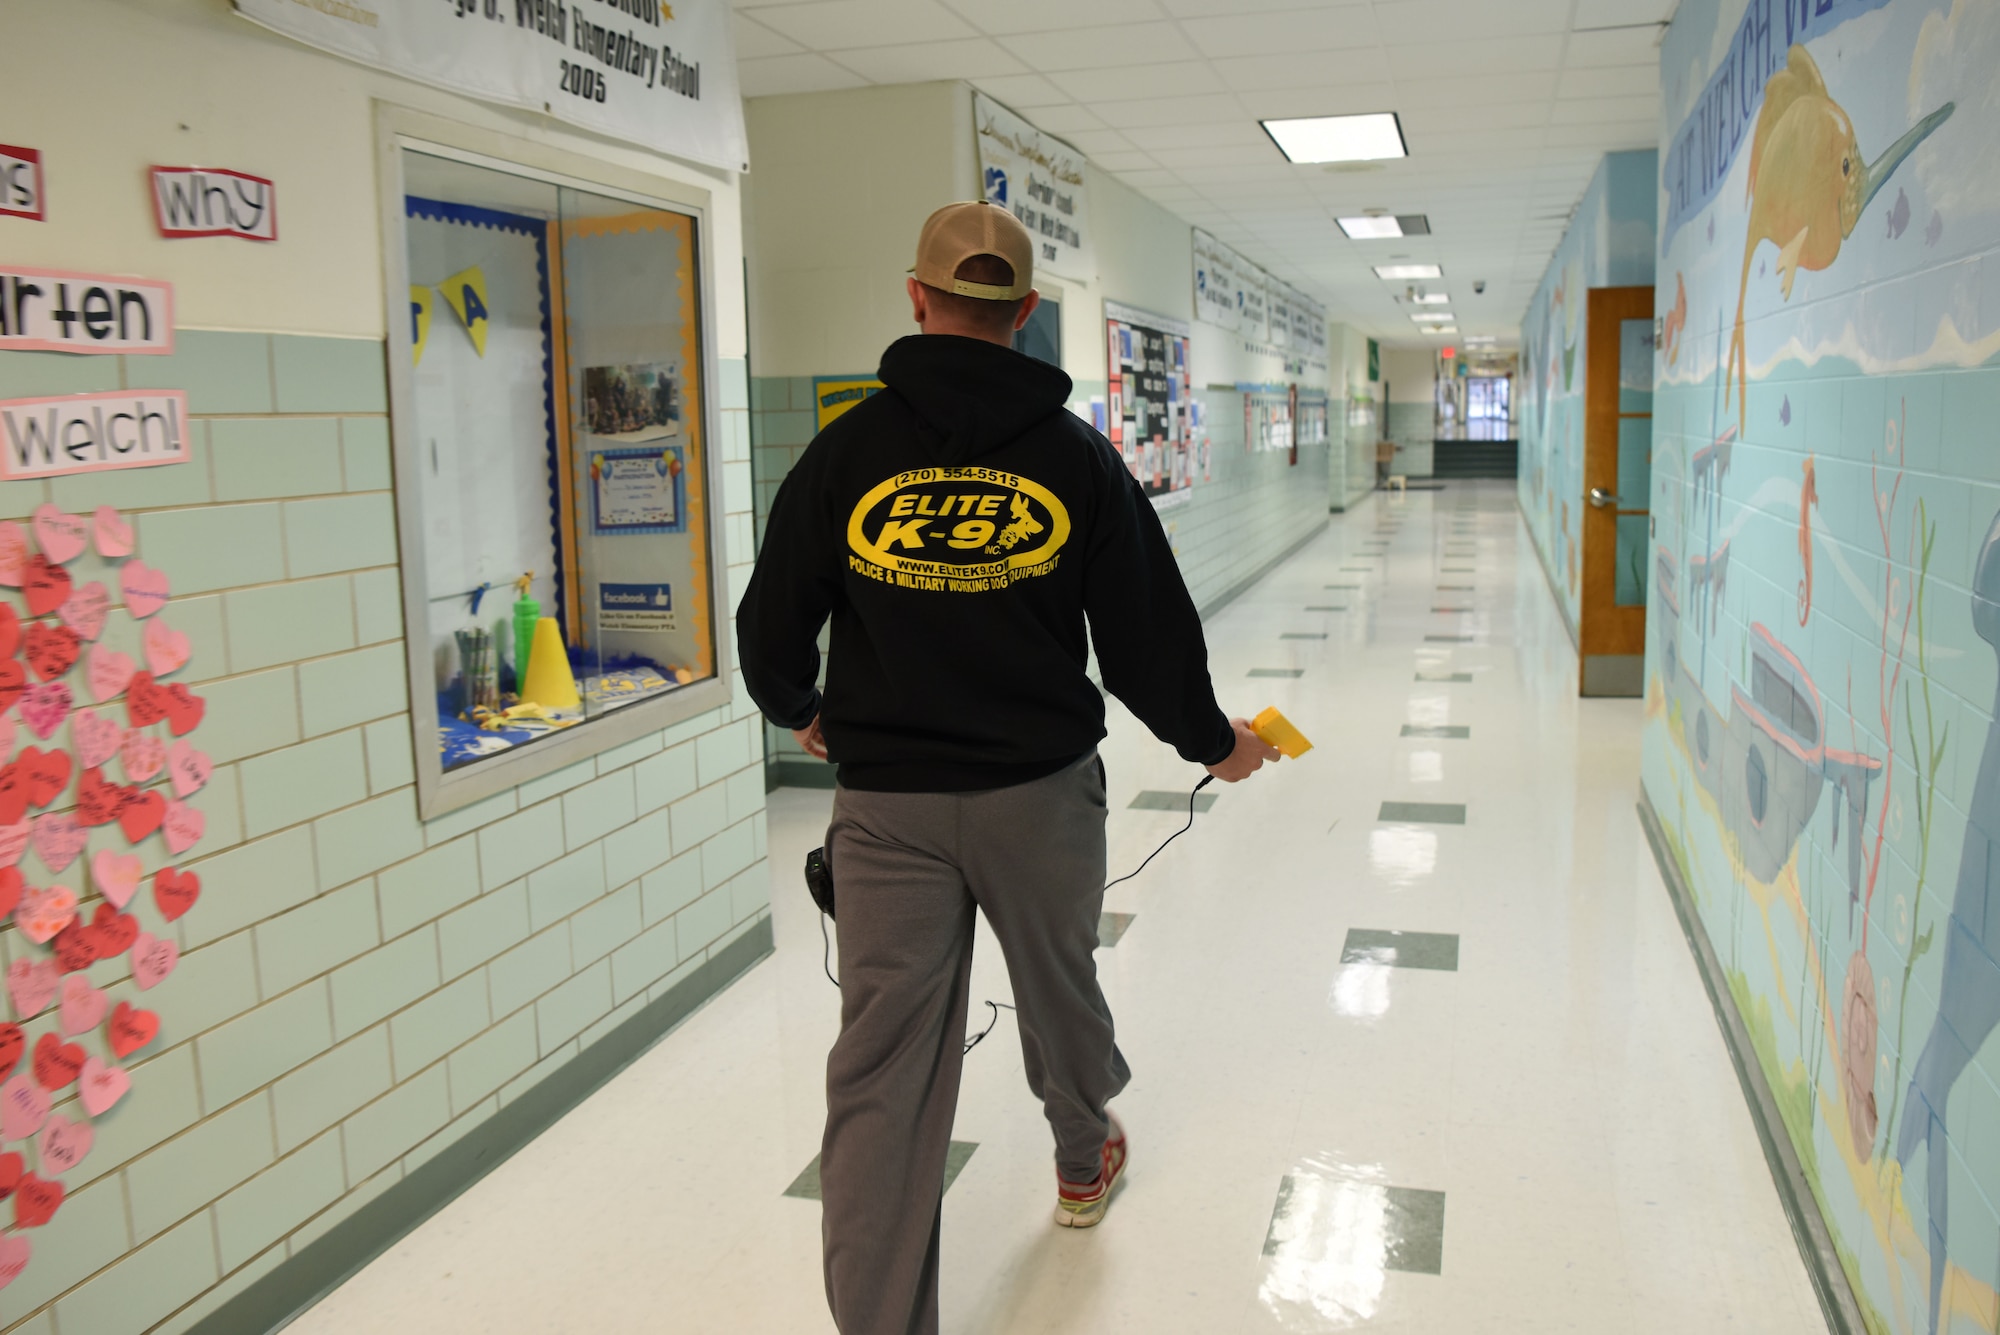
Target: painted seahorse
1808,498
1807,183
1969,988
1675,321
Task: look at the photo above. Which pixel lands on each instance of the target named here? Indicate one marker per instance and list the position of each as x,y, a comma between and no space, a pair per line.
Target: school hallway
1418,1042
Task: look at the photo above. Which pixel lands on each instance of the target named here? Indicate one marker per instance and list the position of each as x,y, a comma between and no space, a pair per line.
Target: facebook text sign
206,201
90,433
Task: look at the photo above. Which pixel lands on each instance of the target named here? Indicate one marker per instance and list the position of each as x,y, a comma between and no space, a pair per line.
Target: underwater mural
1823,635
1609,243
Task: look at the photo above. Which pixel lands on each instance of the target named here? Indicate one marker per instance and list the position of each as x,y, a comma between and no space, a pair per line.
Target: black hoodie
959,527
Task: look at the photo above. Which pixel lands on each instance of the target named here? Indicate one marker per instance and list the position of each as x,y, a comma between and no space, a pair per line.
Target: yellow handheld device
1277,730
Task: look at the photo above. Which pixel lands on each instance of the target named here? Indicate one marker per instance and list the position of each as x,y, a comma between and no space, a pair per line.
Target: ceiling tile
1614,82
1099,85
919,62
1168,110
1240,133
1293,30
842,25
1614,13
1022,16
1421,124
1276,103
1456,94
1600,110
1605,138
754,40
1489,55
1148,178
1065,119
1300,69
793,74
1466,20
1022,91
1614,46
1089,48
1124,160
1226,155
1099,141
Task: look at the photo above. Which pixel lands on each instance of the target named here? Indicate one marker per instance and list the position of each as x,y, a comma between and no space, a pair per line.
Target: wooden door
1617,483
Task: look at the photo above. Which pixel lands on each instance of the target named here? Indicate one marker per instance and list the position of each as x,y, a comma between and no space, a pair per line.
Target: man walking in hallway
970,540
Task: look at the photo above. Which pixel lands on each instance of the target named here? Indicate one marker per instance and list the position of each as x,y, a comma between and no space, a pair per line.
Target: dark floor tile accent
1458,588
1423,813
1354,587
1303,635
1444,676
1402,950
1161,799
1449,639
1278,672
1411,1222
1326,607
805,1186
1111,926
1357,570
1454,609
1457,570
1444,732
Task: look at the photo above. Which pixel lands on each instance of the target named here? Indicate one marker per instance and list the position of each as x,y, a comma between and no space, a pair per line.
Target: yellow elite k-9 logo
956,530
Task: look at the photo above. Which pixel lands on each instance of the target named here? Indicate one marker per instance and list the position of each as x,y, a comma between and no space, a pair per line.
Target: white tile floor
1565,1088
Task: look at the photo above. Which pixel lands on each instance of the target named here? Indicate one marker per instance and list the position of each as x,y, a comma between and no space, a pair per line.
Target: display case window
554,469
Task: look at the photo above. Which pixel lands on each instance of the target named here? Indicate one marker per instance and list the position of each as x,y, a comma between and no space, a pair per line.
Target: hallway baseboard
1548,575
317,1270
1816,1246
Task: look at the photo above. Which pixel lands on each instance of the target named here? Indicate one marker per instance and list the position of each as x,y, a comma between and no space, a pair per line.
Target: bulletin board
1153,416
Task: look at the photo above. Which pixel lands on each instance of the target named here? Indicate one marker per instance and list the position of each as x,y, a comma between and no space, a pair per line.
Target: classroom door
1618,481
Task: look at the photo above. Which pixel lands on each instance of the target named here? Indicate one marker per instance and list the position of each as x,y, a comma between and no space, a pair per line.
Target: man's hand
813,742
1249,756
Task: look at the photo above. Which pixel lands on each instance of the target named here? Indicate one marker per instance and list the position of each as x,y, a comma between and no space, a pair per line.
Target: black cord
996,1007
1170,838
826,951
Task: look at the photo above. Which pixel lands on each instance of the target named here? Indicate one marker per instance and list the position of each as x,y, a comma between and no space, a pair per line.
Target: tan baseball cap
957,232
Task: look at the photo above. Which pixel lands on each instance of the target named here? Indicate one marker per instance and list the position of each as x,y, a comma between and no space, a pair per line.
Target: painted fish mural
1808,183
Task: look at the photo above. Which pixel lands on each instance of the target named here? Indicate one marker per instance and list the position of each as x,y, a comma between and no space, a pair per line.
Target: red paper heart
10,630
52,650
10,895
75,947
13,795
13,1042
132,1029
175,891
46,774
13,680
11,1165
142,815
145,700
45,585
99,802
57,1063
115,934
184,710
36,1200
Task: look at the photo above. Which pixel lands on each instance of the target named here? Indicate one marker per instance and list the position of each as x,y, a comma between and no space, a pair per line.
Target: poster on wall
210,201
1308,325
1253,301
834,395
637,491
1278,310
1040,180
21,183
659,75
1153,413
1214,282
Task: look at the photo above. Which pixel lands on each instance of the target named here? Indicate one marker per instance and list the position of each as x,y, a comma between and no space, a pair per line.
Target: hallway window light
1396,273
1366,138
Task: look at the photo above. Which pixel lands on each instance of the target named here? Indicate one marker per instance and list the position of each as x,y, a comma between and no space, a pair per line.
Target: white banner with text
1040,180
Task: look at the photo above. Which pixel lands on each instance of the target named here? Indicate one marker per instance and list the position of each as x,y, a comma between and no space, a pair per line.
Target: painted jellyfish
1969,992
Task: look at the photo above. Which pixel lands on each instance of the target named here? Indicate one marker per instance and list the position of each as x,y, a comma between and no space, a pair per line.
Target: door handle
1604,500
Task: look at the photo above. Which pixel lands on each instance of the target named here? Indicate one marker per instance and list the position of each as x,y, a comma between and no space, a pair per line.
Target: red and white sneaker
1082,1204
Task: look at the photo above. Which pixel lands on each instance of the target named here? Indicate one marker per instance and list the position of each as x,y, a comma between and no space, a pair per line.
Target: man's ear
920,307
1028,304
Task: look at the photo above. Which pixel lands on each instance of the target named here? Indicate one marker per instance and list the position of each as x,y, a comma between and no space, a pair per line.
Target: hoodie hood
975,395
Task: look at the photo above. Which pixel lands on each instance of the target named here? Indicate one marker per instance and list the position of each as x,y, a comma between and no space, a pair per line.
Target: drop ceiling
1507,106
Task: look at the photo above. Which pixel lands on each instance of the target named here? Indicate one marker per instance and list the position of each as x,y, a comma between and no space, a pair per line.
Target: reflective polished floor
1417,1042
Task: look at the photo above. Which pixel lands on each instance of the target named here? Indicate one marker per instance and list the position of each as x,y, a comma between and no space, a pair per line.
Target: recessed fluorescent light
1395,273
1433,298
1367,138
1369,229
1442,329
1433,317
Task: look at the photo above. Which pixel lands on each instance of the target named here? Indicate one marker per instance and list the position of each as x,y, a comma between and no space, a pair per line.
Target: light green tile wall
357,988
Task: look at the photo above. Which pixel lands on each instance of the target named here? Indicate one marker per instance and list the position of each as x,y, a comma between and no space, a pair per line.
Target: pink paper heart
108,670
116,875
44,707
60,536
166,648
114,535
188,768
152,960
183,827
83,611
15,1250
32,984
13,554
46,910
96,737
145,588
103,1085
14,841
58,839
82,1007
24,1106
63,1144
143,754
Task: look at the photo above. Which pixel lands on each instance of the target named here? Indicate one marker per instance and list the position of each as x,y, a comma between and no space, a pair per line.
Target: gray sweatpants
909,869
